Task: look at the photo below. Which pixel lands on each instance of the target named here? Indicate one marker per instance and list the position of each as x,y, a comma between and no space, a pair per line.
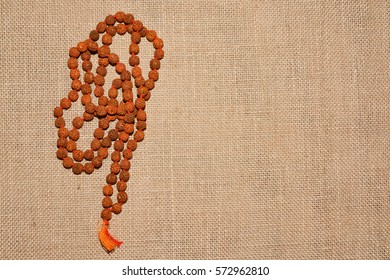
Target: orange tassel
108,242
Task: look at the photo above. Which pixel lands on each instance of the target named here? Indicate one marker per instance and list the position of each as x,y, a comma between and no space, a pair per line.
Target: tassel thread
107,240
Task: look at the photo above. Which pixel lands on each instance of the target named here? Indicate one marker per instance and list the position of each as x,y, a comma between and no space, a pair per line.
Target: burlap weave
268,132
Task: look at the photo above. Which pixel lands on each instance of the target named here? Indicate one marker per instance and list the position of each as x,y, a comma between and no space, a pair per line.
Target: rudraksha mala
127,113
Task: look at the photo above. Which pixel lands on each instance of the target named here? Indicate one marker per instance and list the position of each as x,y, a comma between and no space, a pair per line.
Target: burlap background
268,133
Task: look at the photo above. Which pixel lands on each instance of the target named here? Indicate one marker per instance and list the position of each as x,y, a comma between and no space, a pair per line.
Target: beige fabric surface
268,133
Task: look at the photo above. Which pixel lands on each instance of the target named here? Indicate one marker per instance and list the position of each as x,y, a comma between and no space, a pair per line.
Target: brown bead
86,65
120,67
132,145
74,134
149,84
125,164
137,25
119,16
159,54
78,122
113,102
101,27
98,133
128,154
135,37
106,142
107,202
87,55
129,118
82,47
103,61
113,134
94,35
103,153
134,48
88,77
128,18
113,58
111,109
62,153
73,96
104,123
158,43
111,30
121,29
77,168
97,162
78,155
134,60
106,214
88,154
139,135
117,83
140,103
72,63
61,142
143,31
71,145
103,51
92,47
101,111
65,103
115,168
99,91
59,122
121,186
73,52
86,89
155,64
110,20
153,75
151,35
111,179
142,92
116,156
90,108
118,145
129,128
63,132
95,144
103,100
67,162
139,81
127,95
121,109
116,208
99,80
76,84
122,197
127,85
120,125
89,168
136,71
123,136
86,99
88,117
107,39
108,190
141,115
141,125
125,76
74,74
101,70
124,175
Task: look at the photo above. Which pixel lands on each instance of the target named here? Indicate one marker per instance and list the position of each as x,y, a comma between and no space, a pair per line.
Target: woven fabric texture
268,132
